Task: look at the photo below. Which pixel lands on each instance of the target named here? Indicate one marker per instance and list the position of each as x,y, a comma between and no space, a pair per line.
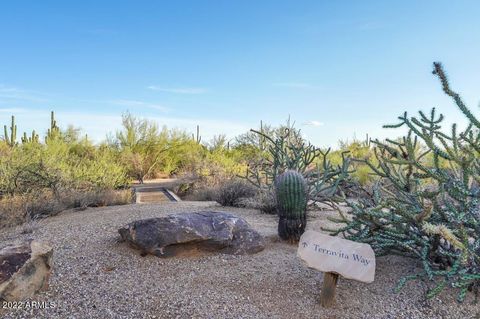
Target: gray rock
193,233
24,270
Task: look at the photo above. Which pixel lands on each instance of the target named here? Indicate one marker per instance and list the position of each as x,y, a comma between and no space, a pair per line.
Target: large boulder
192,233
24,270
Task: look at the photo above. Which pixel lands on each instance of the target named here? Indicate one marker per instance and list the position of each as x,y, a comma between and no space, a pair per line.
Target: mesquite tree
426,203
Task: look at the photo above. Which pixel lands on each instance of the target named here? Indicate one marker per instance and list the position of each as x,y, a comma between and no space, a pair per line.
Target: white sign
347,258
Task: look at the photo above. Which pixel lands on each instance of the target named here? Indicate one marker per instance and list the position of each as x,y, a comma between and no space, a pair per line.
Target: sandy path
95,276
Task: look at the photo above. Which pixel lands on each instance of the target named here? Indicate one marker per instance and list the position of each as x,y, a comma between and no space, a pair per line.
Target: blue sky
338,68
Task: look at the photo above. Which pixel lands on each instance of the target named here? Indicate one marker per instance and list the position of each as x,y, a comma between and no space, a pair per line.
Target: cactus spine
291,192
11,140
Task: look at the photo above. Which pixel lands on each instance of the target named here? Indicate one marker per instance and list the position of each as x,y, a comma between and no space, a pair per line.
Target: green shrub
39,175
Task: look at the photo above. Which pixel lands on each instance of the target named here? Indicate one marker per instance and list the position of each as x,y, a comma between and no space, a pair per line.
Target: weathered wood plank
327,296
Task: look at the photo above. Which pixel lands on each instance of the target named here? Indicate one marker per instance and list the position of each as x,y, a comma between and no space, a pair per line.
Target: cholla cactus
426,203
287,150
283,151
291,192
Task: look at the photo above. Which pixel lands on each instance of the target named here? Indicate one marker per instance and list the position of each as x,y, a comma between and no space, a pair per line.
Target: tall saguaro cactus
11,139
54,130
197,138
291,192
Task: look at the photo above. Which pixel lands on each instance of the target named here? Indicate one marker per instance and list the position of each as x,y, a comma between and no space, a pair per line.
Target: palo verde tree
144,146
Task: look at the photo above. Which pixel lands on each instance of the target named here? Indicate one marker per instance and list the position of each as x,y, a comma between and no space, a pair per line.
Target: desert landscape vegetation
154,221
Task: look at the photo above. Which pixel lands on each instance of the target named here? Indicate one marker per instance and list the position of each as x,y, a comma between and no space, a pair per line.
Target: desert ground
97,276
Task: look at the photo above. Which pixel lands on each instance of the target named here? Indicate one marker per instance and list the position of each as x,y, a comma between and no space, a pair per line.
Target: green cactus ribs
291,192
54,131
10,139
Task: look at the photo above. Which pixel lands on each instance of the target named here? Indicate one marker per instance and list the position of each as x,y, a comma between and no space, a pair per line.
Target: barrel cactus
291,192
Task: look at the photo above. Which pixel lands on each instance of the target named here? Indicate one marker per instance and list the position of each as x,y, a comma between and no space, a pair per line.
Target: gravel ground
95,276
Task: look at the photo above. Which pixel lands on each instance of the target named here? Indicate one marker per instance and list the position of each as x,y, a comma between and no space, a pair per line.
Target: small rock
24,270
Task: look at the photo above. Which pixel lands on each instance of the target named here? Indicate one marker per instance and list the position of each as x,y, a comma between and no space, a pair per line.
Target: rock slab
347,258
24,270
193,233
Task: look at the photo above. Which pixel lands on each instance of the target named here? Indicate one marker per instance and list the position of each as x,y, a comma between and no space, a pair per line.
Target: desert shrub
17,209
264,201
231,192
426,203
217,166
12,210
209,167
202,194
40,178
99,197
31,167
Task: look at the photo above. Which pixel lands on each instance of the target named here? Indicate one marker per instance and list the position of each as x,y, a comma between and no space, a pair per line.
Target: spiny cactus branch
426,203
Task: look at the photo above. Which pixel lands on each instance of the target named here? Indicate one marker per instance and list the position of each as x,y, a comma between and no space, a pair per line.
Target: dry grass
265,201
95,198
232,192
204,194
18,209
12,211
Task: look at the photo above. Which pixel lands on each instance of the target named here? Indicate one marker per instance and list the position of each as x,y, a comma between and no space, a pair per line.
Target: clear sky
338,68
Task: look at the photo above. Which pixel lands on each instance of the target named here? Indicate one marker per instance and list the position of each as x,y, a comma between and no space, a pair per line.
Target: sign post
327,295
336,256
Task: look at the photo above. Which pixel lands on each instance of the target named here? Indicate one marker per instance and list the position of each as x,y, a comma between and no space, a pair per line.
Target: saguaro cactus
291,192
11,140
54,130
32,139
197,138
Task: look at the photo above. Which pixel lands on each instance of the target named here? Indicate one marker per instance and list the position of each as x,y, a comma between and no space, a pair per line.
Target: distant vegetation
42,175
66,169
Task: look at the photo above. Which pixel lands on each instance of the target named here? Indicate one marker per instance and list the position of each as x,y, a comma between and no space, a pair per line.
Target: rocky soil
96,276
